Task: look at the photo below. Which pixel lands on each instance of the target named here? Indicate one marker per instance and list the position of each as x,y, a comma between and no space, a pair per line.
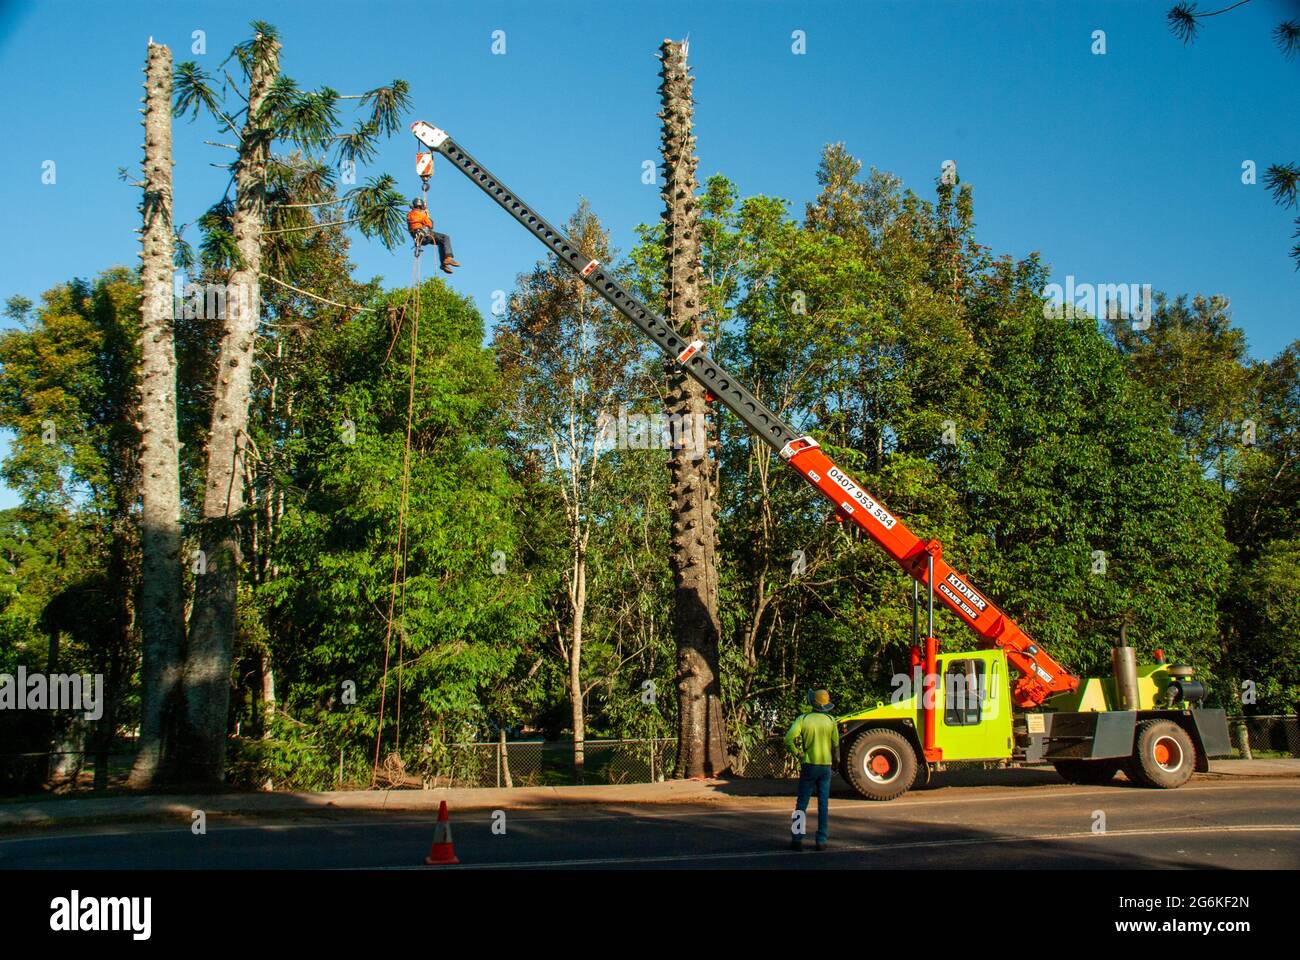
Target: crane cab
881,753
973,706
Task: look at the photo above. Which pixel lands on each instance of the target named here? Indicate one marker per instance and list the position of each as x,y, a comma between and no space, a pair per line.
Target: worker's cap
820,699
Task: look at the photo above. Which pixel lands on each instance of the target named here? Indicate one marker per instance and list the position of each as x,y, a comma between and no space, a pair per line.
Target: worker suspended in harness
422,232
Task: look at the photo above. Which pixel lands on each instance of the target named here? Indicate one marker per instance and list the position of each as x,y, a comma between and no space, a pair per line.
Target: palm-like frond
218,244
219,216
299,179
1182,21
182,251
295,184
219,251
1282,179
155,203
360,145
308,119
378,209
192,90
279,99
387,104
264,43
1287,36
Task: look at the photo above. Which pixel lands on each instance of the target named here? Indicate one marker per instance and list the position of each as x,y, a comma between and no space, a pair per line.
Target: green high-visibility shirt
813,738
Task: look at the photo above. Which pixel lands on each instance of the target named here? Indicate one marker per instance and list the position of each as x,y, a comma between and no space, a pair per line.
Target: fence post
1244,731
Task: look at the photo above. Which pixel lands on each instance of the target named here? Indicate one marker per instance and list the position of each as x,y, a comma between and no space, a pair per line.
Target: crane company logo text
960,586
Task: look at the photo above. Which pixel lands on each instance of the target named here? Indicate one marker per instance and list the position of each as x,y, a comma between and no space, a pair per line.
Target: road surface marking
873,848
654,811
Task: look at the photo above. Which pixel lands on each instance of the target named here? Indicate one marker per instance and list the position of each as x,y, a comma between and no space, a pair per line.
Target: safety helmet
417,203
820,700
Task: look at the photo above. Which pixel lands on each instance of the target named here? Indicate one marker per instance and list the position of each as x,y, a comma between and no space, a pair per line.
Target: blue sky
1118,168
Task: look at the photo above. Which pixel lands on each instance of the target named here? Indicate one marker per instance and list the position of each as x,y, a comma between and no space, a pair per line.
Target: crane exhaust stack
1124,661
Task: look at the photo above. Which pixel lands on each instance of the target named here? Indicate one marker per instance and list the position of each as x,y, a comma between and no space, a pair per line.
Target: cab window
963,685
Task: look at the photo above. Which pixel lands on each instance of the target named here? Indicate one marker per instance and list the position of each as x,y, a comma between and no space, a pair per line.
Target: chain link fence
1265,736
64,771
766,760
540,763
524,763
529,763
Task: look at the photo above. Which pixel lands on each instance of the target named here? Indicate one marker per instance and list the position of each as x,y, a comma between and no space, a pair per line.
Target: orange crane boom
1040,677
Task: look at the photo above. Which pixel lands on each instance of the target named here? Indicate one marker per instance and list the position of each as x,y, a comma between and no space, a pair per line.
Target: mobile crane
1146,720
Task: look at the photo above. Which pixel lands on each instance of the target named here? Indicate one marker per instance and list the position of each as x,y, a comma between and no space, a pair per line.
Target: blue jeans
816,775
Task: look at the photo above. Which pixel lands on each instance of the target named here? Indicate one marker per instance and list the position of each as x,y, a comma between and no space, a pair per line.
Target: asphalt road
1206,824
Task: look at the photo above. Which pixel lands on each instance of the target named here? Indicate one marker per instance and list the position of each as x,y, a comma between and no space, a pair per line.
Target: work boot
821,844
448,264
796,844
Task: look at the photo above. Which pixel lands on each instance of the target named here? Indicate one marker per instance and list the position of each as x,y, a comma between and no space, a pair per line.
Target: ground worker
814,738
422,232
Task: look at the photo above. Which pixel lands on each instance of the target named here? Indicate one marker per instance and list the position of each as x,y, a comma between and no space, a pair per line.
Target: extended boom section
1040,675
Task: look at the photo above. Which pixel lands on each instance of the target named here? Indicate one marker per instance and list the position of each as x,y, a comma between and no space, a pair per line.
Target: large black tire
924,776
881,764
1089,772
1164,756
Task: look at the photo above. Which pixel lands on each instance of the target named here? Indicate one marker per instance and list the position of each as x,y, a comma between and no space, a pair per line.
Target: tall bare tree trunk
701,733
161,591
268,694
213,620
504,751
579,605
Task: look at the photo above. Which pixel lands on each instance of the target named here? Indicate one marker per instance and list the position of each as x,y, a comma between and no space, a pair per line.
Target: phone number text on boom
860,495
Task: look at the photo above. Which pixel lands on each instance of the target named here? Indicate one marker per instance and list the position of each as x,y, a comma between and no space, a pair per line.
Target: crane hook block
424,165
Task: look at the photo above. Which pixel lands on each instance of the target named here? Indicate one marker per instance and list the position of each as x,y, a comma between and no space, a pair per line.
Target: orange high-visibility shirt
417,219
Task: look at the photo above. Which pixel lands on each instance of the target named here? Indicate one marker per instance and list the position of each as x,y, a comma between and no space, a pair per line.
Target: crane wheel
880,765
1164,756
924,776
1089,772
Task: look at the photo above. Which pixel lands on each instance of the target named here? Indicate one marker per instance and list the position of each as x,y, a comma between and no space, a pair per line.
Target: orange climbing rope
400,551
424,168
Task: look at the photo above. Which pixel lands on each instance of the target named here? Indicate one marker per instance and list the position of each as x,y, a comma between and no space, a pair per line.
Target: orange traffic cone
442,852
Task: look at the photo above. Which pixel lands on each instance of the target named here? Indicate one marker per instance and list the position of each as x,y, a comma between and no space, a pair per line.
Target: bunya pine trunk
701,734
213,619
161,613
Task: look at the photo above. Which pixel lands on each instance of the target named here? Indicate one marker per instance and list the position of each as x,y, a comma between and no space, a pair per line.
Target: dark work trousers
442,240
816,776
